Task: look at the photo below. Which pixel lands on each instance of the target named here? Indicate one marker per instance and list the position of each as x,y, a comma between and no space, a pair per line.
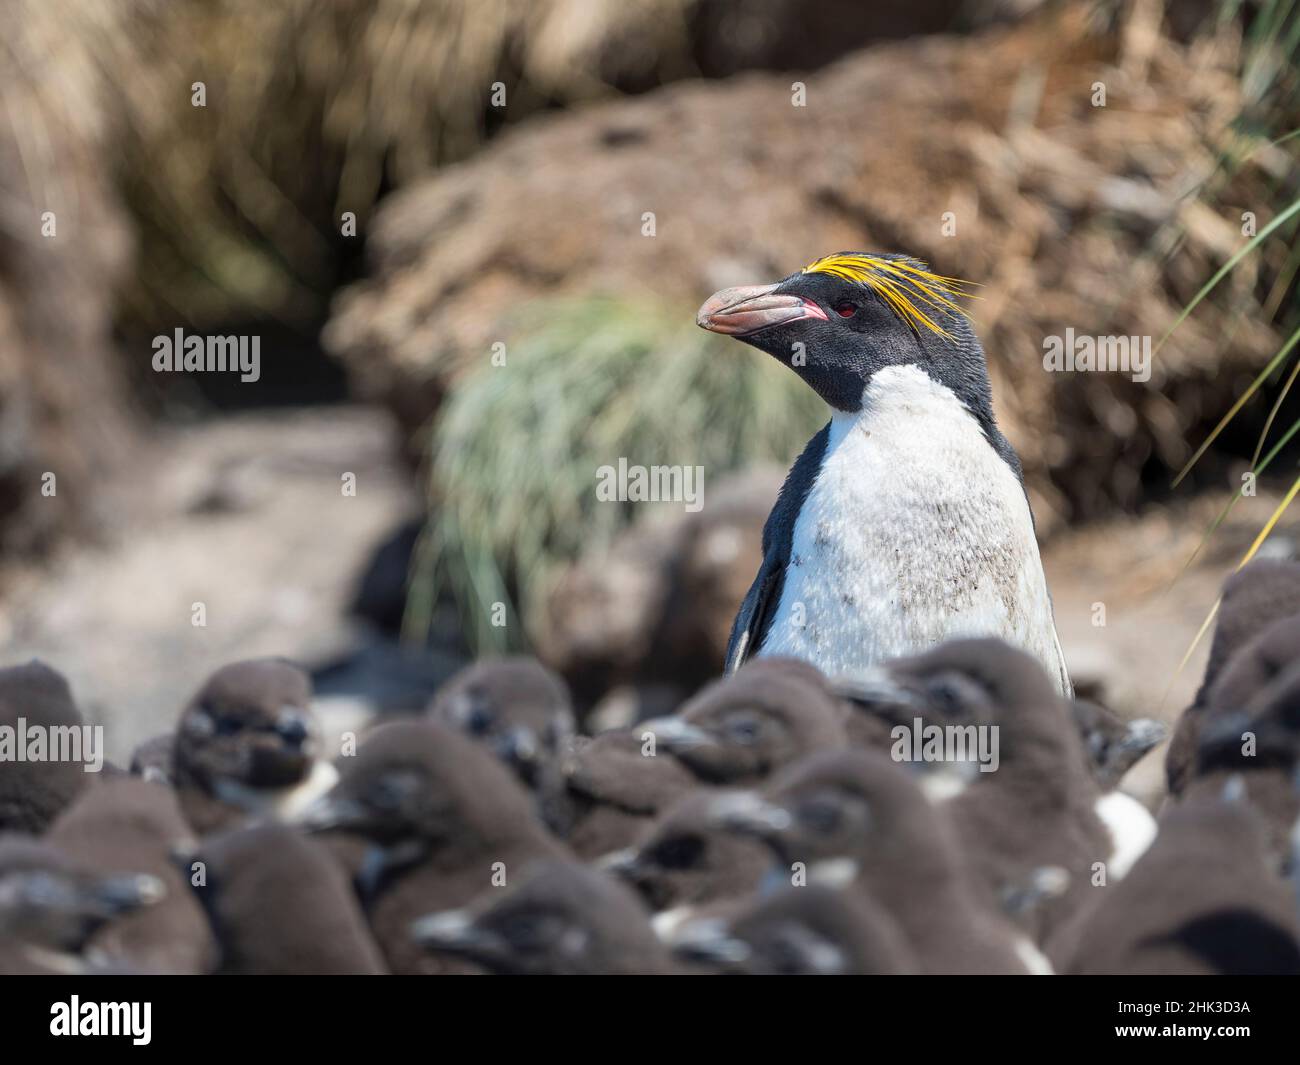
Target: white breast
1131,827
915,531
285,804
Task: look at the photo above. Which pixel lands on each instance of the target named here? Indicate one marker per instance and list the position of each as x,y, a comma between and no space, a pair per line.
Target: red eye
846,308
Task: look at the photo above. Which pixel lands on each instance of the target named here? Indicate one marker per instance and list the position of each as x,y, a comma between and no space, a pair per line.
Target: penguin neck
908,390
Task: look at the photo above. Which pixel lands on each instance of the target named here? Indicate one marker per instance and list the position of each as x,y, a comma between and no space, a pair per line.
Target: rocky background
478,224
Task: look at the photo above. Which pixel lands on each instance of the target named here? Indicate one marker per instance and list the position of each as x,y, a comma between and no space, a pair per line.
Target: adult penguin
905,522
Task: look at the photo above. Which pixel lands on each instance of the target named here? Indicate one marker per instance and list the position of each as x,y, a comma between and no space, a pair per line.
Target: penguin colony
769,826
892,776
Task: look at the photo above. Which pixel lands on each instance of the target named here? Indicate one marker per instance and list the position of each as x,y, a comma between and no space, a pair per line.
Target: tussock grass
1271,103
317,107
515,450
1270,80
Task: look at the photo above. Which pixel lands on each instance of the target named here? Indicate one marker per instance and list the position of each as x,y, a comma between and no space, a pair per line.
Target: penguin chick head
48,901
516,707
250,724
743,727
33,793
840,813
1113,744
969,682
422,782
1263,734
807,931
152,759
610,770
563,918
1254,597
687,859
846,316
1258,664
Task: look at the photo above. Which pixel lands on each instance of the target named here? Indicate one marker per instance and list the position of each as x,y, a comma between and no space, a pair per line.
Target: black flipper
756,612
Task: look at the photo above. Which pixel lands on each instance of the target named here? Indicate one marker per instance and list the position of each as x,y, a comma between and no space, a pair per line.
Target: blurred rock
649,620
167,213
65,248
1057,205
736,35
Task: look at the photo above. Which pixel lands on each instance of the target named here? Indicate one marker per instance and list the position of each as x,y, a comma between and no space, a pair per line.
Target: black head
845,317
38,693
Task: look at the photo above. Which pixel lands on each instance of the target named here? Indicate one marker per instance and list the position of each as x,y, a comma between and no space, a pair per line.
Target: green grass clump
515,449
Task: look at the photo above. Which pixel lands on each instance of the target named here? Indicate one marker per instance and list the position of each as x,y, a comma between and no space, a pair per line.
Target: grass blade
1272,521
1241,402
1227,267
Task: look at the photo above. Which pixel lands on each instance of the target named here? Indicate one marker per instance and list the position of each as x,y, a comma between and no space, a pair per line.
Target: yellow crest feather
917,296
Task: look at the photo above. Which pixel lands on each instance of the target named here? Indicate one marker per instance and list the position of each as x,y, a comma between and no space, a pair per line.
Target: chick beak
1141,735
519,747
455,932
709,942
332,811
677,735
126,893
747,309
875,689
625,863
747,813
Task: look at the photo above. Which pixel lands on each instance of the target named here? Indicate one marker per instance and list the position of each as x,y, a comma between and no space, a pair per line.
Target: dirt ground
244,514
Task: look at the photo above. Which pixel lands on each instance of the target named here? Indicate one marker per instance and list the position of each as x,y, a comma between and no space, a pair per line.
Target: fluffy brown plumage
854,819
1254,598
280,904
562,918
247,746
33,793
441,818
522,713
127,826
1203,900
616,790
742,728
